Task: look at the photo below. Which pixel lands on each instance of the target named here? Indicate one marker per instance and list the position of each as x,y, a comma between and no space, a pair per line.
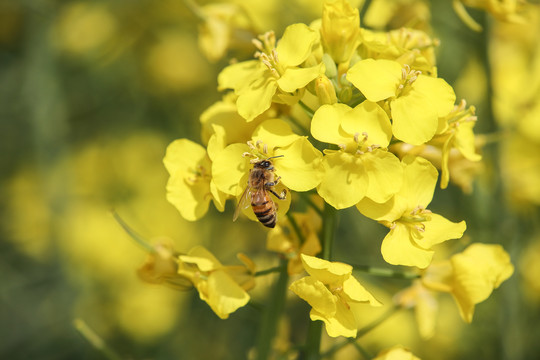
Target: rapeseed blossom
470,277
353,117
277,75
414,230
331,289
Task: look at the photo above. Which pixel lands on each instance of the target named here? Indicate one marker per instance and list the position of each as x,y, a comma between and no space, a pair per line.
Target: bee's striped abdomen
265,212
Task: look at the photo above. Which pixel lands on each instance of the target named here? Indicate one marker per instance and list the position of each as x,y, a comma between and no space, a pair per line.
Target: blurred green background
92,92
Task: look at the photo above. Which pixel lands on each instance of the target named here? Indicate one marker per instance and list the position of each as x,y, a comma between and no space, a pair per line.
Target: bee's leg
272,183
281,196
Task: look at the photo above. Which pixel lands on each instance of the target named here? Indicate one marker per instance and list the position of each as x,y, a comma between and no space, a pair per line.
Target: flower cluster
336,115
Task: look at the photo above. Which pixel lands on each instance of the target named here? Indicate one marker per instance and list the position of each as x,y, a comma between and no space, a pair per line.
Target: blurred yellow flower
285,239
470,276
398,352
218,286
175,64
84,26
414,230
161,267
330,288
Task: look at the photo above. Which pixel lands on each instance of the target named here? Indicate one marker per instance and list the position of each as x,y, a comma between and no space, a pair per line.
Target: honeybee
260,183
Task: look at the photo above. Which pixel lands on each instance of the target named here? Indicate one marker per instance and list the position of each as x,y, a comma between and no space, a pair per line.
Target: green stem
313,343
93,338
307,198
383,272
307,109
296,229
270,270
138,238
272,314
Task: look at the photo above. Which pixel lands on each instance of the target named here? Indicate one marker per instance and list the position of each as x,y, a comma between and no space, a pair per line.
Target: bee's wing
243,203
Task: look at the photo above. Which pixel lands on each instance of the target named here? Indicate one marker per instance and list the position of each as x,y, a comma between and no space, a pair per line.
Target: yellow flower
216,32
161,267
414,230
299,166
223,288
457,134
397,352
190,187
362,168
504,10
331,289
416,101
284,239
277,75
406,46
470,276
340,30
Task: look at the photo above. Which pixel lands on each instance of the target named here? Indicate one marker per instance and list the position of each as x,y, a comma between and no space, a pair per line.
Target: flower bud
340,30
325,90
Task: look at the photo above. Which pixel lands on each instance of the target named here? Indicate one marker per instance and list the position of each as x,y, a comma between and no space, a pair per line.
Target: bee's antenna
273,157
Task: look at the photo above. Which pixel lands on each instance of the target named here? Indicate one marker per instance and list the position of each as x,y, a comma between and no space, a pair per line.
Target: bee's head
266,164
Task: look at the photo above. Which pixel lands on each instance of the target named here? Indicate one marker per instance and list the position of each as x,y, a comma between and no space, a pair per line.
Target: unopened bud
325,90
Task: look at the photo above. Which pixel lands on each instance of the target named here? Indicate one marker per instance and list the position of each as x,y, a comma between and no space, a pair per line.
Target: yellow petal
385,175
376,79
420,178
369,119
345,180
398,248
438,229
479,270
238,75
224,295
343,323
274,133
230,169
464,141
389,211
414,120
316,294
437,92
354,291
325,125
325,271
300,167
183,155
191,200
297,78
256,98
295,45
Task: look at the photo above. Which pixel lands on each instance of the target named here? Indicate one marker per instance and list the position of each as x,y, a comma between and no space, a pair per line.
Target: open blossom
414,230
298,165
190,187
277,75
331,289
470,277
222,287
416,101
363,167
